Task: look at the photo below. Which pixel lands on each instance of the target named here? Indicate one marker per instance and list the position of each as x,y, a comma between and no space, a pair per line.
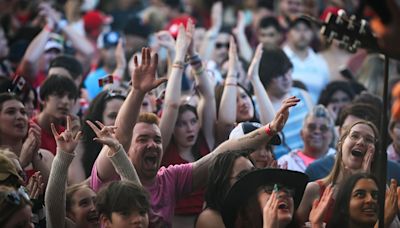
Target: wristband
269,131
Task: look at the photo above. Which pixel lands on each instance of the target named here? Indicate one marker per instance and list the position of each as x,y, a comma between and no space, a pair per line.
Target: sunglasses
278,188
221,45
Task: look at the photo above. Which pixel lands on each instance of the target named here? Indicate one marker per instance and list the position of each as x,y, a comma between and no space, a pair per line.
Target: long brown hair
338,166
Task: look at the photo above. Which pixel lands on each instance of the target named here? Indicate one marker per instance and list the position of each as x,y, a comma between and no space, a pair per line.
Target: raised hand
270,212
369,156
391,202
67,140
233,59
31,144
105,135
183,40
144,74
120,55
320,207
240,25
165,39
35,185
252,73
216,16
282,115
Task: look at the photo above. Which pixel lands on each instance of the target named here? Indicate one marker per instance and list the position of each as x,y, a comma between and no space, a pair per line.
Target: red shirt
47,138
193,203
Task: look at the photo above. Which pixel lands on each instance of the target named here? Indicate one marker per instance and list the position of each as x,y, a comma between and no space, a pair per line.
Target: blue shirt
313,71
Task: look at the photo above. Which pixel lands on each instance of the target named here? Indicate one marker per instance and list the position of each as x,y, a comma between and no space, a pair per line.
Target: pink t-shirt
307,160
171,184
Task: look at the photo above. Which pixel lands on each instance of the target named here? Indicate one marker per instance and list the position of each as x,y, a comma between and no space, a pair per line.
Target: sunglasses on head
221,45
15,197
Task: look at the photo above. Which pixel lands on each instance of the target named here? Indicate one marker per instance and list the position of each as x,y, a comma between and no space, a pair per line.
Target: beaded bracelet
179,64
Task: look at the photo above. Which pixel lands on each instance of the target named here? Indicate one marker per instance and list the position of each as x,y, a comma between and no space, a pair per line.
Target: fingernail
276,189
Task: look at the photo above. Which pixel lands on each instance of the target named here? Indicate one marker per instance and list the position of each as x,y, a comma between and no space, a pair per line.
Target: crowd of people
206,114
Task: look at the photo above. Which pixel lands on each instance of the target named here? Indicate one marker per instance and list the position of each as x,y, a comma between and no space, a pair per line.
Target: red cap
94,20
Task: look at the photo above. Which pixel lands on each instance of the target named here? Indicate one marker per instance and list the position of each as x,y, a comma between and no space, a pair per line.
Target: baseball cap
55,41
247,127
299,20
94,20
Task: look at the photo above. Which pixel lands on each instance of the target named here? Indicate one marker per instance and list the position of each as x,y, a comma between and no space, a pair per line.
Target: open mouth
283,206
190,138
93,218
150,160
357,153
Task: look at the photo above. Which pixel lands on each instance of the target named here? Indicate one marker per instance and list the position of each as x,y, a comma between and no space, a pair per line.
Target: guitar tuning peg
363,26
356,44
351,23
332,35
351,49
340,17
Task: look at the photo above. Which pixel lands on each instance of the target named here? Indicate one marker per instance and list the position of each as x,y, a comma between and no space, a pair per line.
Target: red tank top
193,203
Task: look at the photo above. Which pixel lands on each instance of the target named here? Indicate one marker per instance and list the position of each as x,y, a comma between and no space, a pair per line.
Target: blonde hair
338,166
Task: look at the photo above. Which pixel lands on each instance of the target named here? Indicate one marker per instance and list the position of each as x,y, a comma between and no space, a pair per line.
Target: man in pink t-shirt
144,146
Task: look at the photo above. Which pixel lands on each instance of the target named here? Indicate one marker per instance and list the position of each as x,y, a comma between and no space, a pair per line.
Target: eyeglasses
314,127
221,45
355,136
279,188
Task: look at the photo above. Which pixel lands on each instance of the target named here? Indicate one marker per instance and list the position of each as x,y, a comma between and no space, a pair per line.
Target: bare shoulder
310,194
209,219
46,155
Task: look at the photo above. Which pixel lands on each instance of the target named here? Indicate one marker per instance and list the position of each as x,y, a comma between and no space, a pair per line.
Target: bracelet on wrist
269,131
198,71
179,64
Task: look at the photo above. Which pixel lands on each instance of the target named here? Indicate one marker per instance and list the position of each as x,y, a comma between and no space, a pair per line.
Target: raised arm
227,107
55,197
249,141
120,58
206,108
245,50
210,38
115,151
173,90
29,63
143,81
265,106
79,42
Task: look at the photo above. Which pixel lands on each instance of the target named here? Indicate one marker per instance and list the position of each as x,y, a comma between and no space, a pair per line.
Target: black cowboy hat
247,186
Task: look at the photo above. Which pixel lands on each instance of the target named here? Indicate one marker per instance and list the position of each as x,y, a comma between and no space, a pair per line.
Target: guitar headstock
351,32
